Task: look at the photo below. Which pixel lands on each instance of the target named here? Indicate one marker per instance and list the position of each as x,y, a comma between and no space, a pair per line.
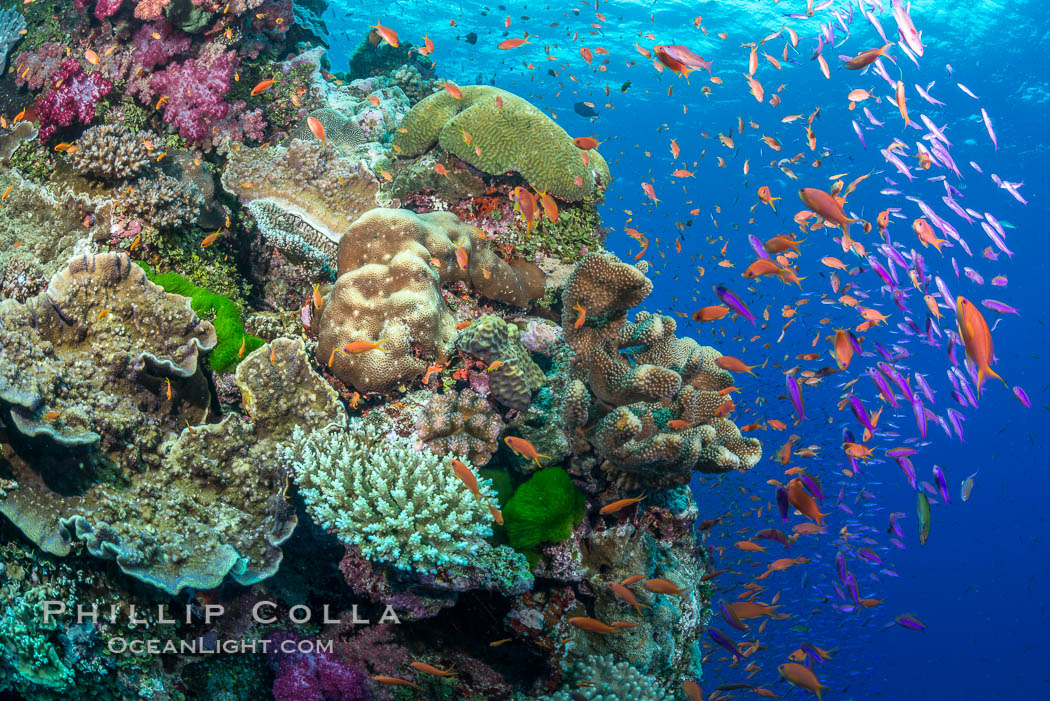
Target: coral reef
602,678
543,510
508,134
389,291
73,96
163,201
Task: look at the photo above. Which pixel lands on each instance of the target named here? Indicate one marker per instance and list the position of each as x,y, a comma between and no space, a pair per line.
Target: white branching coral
399,505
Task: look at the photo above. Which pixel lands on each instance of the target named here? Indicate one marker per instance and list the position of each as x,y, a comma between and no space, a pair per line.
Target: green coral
400,505
33,161
578,231
508,134
543,510
224,315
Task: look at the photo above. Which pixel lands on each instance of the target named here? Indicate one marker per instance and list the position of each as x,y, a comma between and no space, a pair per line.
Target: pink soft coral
156,43
149,9
195,89
103,8
73,95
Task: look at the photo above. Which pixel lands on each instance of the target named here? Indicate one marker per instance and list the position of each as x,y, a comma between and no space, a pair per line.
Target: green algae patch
220,311
543,510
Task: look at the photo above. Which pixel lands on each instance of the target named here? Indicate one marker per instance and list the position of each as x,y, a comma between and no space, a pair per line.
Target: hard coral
73,95
111,151
513,380
460,424
509,134
399,506
163,202
390,288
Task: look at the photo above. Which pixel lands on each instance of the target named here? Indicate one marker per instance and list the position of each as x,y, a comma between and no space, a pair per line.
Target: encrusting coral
460,423
392,263
508,134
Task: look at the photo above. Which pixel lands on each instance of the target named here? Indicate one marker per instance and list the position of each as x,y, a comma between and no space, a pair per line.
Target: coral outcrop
392,263
460,424
515,375
507,133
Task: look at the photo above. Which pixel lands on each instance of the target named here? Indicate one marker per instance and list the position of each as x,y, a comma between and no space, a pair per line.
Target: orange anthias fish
766,197
525,449
866,58
761,267
710,313
394,681
425,668
586,142
388,35
627,595
364,346
261,87
468,478
977,339
581,311
592,625
659,585
801,500
615,506
461,257
902,103
317,129
843,348
826,206
511,43
728,362
802,677
927,238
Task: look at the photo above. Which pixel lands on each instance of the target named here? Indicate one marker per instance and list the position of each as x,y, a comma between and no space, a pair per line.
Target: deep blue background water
978,583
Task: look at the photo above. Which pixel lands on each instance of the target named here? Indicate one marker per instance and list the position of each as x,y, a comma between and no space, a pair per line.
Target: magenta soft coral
157,42
312,676
194,90
73,96
103,8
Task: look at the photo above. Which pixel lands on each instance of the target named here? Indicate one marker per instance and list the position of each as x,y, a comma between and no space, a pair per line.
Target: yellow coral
506,133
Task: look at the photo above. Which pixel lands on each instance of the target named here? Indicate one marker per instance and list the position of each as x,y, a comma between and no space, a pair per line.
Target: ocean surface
977,583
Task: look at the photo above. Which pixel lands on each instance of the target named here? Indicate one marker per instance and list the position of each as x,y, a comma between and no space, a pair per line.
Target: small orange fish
467,477
455,92
364,346
169,388
976,338
511,43
240,351
615,506
388,35
659,585
394,681
440,169
317,129
524,448
461,256
497,643
430,669
51,415
586,142
210,238
592,625
710,313
91,57
582,315
318,301
728,362
261,87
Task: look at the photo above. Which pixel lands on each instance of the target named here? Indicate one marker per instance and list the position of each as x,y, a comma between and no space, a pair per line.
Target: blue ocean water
976,584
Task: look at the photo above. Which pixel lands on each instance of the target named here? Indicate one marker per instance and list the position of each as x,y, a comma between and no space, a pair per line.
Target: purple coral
73,95
312,676
103,8
194,91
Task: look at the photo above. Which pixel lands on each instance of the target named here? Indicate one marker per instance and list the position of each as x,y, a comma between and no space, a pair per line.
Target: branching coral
460,424
508,134
111,151
389,287
162,202
399,506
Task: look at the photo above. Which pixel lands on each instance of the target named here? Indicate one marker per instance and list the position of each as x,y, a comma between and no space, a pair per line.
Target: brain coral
508,134
389,288
400,506
303,197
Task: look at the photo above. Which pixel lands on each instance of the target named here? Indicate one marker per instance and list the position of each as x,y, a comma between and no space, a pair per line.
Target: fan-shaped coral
508,133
